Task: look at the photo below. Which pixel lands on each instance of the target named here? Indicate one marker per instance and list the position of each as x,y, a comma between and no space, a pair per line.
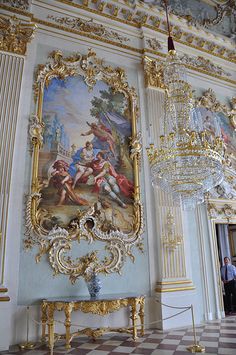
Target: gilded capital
15,35
153,73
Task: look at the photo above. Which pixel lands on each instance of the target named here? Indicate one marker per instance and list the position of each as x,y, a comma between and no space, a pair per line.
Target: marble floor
218,337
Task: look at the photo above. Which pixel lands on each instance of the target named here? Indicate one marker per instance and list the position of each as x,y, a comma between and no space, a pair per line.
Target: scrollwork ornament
210,102
19,4
36,130
232,113
88,225
89,27
136,146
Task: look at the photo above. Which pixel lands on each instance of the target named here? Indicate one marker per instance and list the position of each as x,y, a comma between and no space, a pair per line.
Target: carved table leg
134,317
68,310
51,326
141,315
44,321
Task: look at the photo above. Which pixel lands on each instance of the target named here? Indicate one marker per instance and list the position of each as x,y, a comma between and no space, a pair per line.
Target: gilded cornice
138,17
15,35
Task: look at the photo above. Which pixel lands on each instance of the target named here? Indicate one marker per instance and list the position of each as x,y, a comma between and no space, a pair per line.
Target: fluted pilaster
11,69
173,276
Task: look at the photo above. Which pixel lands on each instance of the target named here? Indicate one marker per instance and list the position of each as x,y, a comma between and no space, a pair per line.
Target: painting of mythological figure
84,159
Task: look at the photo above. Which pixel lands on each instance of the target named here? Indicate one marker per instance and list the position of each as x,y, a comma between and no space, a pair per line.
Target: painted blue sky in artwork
70,101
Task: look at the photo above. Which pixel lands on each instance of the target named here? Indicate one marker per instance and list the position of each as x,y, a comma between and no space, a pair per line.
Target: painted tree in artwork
111,109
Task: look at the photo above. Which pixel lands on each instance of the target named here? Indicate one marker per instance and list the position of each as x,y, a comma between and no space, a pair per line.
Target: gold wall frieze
139,51
137,18
87,34
155,23
89,26
15,34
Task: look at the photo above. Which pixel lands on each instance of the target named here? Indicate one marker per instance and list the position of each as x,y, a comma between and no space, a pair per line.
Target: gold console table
102,306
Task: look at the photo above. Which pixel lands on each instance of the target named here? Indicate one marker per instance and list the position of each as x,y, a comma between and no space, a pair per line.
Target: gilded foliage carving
15,35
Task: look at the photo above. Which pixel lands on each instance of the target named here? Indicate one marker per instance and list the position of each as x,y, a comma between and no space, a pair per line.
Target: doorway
226,244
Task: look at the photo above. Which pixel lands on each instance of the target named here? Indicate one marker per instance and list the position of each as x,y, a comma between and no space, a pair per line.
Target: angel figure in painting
102,133
108,181
62,181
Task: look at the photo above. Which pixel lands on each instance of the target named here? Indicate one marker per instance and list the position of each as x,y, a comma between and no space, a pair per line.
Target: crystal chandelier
188,160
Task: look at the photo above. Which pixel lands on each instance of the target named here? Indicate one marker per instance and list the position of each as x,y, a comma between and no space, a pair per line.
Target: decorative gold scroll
88,225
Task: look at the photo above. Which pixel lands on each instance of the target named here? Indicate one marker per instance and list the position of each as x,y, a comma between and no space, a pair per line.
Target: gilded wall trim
138,19
15,34
174,289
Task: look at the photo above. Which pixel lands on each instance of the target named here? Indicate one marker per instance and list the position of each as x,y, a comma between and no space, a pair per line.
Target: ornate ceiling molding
89,27
19,4
15,35
135,15
142,16
154,44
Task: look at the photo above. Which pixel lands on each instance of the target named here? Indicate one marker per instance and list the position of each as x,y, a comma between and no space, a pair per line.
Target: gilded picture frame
56,223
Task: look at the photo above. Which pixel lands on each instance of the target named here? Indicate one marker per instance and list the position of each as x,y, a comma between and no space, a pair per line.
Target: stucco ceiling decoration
215,15
89,27
19,4
139,14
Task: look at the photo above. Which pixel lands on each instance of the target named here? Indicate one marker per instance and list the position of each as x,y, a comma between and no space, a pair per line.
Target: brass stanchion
196,347
27,345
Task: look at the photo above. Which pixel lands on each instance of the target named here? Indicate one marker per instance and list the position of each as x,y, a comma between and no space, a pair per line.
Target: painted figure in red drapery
107,180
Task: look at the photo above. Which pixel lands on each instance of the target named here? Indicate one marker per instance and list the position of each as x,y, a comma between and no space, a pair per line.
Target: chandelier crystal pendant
188,160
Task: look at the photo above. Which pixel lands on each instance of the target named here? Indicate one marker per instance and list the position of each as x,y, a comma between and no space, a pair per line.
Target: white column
11,69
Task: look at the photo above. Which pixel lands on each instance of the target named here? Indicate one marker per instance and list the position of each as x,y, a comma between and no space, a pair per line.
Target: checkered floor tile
218,337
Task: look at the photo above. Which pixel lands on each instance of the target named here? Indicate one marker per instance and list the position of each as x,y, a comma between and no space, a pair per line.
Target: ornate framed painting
211,110
85,166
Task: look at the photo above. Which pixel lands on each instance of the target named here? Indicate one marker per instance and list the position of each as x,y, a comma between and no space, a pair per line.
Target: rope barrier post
196,347
27,344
